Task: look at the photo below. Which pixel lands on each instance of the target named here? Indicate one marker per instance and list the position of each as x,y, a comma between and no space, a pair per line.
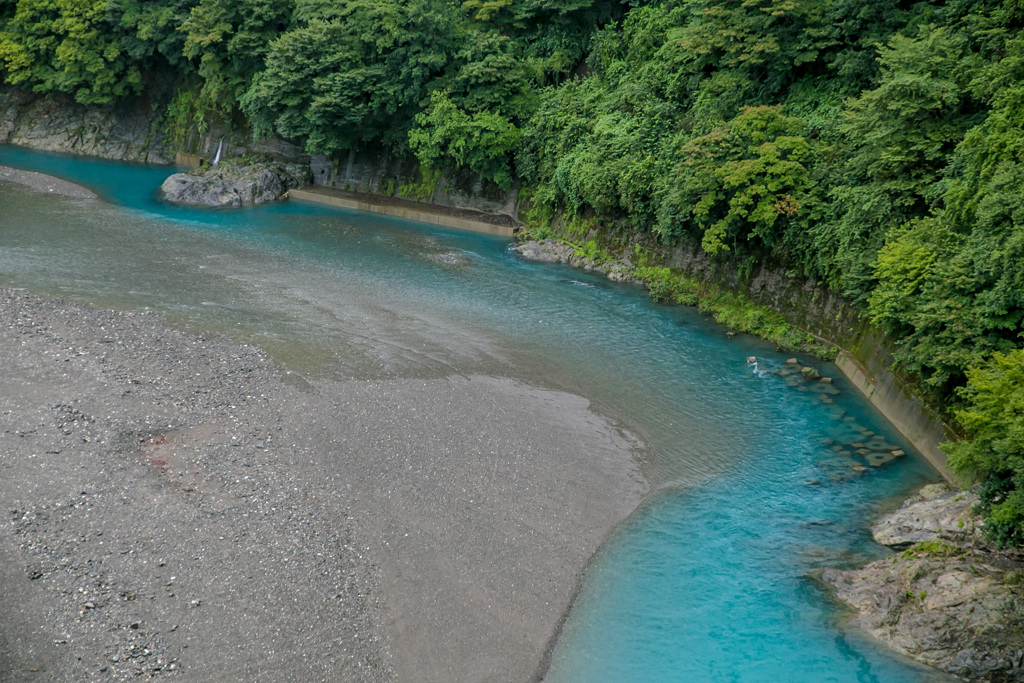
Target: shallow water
708,581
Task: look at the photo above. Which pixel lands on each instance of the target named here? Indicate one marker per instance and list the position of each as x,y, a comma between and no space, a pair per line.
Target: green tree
151,38
67,46
951,287
229,39
482,142
994,417
739,185
898,140
351,73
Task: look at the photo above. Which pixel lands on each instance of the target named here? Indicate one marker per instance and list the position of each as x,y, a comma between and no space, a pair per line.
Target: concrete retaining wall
406,210
904,410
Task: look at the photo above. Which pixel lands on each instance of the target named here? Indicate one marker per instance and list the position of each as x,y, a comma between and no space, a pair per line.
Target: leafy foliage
481,142
994,416
67,46
740,183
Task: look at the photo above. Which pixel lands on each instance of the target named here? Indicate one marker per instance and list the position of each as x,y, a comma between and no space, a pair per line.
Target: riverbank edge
793,314
629,503
946,598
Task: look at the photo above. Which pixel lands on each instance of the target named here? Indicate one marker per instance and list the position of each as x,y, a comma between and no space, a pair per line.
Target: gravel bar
181,506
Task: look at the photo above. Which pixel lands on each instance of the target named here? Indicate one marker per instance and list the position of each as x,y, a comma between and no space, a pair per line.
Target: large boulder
234,184
935,513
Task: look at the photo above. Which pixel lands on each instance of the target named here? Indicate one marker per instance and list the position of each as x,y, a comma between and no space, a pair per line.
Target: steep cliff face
386,174
124,133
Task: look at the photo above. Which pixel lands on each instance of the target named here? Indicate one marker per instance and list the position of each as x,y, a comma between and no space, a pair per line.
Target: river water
754,485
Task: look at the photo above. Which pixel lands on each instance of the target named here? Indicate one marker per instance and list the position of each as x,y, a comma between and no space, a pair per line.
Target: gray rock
545,251
946,607
234,184
125,132
935,513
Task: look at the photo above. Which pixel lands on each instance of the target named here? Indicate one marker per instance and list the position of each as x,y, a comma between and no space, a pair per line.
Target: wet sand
40,182
181,505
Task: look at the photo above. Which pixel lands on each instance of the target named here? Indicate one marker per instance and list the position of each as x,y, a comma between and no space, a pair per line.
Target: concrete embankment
904,410
476,221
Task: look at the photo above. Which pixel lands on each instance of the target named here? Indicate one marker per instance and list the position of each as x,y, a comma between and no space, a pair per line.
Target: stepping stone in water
898,453
878,459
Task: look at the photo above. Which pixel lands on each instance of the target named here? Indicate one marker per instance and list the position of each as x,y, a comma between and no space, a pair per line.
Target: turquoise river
710,580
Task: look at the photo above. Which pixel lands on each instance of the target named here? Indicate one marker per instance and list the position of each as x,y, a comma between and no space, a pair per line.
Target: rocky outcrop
58,124
948,600
935,513
556,251
233,184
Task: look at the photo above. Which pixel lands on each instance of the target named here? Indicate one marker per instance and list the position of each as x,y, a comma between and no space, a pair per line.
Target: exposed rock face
555,251
947,601
59,124
935,513
234,184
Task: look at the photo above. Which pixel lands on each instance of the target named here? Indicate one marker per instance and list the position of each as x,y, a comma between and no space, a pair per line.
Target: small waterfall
216,159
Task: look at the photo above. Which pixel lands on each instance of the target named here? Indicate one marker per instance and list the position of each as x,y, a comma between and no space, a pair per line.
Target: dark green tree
68,46
993,415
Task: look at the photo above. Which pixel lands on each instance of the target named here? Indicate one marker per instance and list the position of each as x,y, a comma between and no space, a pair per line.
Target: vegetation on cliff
873,145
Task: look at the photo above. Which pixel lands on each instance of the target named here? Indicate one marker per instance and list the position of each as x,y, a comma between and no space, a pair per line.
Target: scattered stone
792,361
809,373
825,380
877,459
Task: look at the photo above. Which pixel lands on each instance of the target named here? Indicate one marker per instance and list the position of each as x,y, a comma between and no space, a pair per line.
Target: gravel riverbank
175,504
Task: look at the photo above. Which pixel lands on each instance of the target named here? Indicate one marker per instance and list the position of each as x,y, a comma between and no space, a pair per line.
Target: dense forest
873,145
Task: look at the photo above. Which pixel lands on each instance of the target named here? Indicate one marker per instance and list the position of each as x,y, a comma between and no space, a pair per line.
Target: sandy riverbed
174,504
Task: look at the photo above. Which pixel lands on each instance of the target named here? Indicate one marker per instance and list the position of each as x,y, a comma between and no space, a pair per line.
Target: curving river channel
753,483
